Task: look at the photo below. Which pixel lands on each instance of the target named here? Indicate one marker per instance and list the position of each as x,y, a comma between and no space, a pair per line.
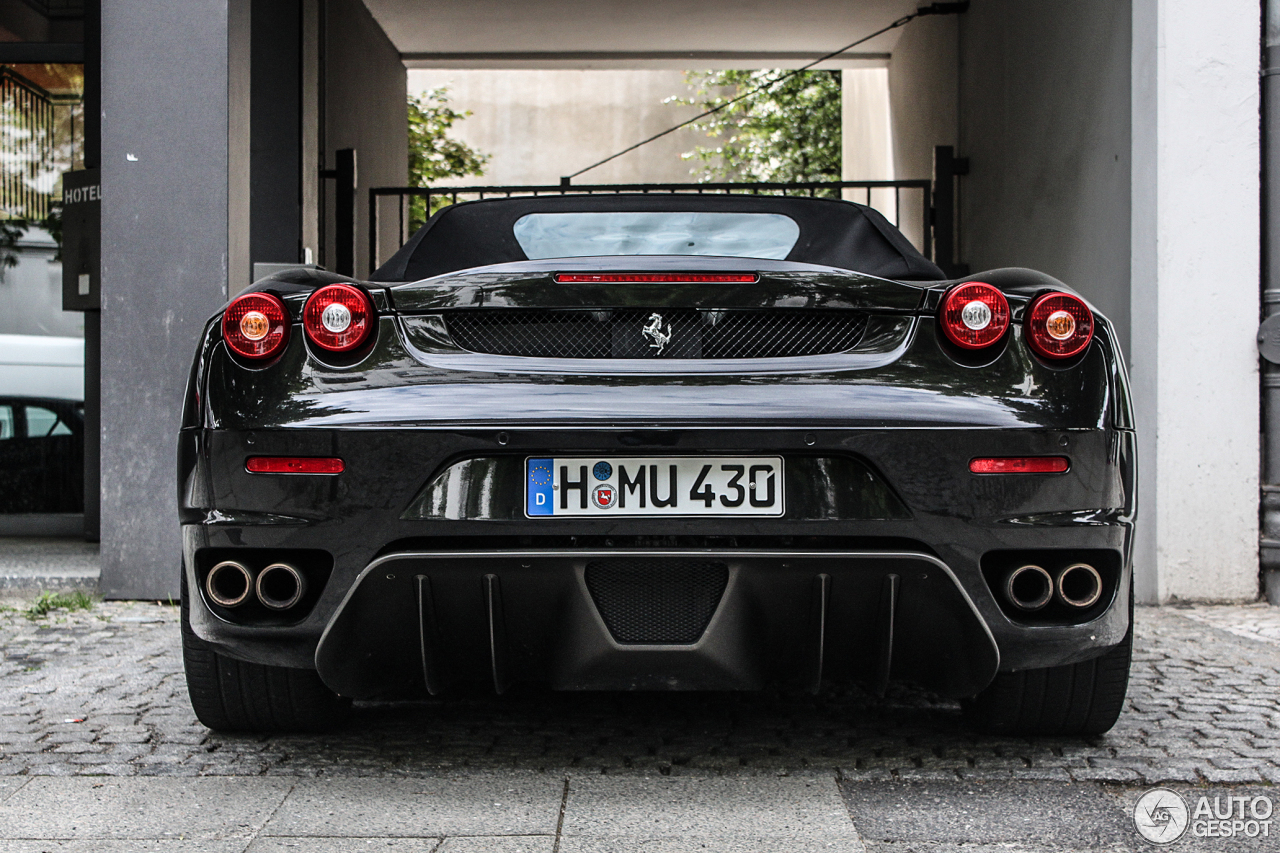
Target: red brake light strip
294,465
656,278
1019,465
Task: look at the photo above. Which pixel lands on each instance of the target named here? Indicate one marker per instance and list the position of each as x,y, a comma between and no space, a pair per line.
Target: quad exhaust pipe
229,584
279,586
1031,587
1079,585
1028,587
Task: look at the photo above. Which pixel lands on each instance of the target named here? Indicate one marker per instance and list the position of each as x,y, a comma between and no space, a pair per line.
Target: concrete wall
665,31
866,149
1036,94
541,125
922,96
1195,295
364,88
169,190
1115,146
923,90
1044,89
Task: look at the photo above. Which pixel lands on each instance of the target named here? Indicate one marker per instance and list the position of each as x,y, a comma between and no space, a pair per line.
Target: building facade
1115,145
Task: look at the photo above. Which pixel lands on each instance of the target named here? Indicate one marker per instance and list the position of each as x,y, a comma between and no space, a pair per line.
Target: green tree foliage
13,230
787,132
433,155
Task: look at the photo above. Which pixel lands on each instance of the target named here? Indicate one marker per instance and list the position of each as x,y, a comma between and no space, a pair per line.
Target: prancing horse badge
658,339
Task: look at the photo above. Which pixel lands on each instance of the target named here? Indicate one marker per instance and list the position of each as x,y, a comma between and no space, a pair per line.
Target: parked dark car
657,443
41,455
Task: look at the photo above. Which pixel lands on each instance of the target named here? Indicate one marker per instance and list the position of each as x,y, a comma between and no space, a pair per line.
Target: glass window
42,422
6,422
41,135
585,235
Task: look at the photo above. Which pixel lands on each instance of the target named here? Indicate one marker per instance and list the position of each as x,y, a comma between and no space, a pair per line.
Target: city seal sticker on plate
654,486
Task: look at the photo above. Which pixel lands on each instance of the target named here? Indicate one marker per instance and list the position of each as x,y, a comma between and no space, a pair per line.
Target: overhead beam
654,59
24,51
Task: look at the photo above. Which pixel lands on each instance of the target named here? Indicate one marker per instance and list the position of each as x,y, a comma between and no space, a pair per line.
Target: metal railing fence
38,142
870,191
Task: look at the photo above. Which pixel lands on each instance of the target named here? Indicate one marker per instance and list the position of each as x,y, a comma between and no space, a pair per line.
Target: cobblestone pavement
1254,621
101,693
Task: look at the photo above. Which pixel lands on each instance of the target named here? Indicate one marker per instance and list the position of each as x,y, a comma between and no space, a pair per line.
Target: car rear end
658,473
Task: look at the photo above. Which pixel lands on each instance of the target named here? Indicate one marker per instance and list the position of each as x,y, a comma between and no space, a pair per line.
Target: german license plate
646,485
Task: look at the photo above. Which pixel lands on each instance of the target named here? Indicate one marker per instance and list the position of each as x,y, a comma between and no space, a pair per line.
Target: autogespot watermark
1163,816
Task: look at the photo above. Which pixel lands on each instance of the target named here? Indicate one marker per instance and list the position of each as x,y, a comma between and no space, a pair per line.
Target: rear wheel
1083,698
233,696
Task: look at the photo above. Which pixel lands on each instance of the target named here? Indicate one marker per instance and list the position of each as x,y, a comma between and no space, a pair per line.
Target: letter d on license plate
644,485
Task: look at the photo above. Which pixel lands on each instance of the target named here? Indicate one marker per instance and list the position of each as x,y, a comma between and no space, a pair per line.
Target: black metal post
946,166
344,216
92,319
1269,546
373,230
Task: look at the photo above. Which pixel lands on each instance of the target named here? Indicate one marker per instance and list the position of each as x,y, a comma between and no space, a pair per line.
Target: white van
42,366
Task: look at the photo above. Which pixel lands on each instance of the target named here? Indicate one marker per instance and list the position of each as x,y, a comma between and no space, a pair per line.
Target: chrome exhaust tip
280,586
228,584
1079,585
1028,587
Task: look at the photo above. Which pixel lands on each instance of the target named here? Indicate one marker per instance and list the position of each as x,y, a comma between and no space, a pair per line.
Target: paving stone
518,803
1202,697
674,814
377,845
1218,775
498,844
201,809
133,845
1025,816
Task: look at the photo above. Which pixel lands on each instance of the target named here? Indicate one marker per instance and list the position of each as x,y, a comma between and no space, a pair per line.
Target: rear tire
234,696
1083,698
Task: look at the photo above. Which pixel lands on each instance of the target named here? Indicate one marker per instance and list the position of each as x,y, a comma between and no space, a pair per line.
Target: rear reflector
656,278
293,465
1020,465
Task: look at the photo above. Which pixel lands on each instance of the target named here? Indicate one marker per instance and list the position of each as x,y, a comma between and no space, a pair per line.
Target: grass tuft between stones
47,602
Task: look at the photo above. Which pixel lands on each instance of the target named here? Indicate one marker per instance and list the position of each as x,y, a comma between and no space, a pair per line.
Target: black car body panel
425,571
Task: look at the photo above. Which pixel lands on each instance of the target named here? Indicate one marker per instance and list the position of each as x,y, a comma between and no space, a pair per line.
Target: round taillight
338,317
1058,325
974,315
255,325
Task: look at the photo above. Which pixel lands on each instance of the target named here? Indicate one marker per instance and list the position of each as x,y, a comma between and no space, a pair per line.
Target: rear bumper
805,598
421,621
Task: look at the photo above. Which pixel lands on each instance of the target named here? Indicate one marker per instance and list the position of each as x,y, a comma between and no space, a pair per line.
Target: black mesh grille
656,601
644,333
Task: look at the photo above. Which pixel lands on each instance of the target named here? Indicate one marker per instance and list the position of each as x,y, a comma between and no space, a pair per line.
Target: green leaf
433,155
790,131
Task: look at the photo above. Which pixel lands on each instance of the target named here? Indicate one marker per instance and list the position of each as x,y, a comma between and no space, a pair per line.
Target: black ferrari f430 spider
658,442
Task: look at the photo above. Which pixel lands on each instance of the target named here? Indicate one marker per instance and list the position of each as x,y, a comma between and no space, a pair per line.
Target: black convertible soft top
832,233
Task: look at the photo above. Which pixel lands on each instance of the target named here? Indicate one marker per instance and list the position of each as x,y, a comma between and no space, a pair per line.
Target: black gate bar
831,189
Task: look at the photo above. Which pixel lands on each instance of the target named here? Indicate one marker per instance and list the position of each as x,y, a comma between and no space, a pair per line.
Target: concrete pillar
1195,291
174,222
866,136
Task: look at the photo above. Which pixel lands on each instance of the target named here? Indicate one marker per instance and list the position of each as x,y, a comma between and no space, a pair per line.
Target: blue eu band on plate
649,485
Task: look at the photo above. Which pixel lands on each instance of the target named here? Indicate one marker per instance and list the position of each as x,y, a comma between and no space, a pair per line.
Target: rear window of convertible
584,235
